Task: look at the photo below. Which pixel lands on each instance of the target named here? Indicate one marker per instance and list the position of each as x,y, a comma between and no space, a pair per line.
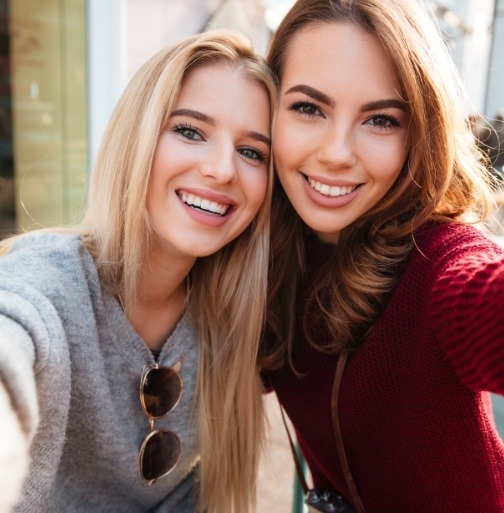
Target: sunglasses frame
151,418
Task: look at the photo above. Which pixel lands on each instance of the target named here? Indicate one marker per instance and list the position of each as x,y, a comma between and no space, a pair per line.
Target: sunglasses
160,392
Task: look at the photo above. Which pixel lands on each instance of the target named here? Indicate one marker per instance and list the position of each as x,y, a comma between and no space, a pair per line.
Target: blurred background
64,64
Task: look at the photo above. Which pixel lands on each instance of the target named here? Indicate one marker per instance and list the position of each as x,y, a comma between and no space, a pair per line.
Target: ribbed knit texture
415,420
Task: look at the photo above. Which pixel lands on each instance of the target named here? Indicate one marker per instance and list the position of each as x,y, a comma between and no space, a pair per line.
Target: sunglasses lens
159,454
161,390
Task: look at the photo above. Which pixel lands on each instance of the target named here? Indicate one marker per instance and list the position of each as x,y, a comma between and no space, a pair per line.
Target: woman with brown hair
383,286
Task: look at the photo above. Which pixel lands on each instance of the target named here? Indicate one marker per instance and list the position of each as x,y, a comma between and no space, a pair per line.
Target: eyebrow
211,121
391,103
259,137
194,114
312,92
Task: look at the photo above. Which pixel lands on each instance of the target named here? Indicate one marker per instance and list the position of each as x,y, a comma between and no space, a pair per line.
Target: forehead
209,78
330,50
226,92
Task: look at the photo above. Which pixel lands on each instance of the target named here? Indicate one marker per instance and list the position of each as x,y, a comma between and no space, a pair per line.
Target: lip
209,195
328,201
329,181
204,217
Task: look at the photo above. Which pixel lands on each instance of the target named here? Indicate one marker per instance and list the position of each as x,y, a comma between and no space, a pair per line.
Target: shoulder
45,241
59,249
47,261
453,258
459,265
432,235
445,244
47,281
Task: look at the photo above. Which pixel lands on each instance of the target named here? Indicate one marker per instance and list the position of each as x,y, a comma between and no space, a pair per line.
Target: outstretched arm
468,313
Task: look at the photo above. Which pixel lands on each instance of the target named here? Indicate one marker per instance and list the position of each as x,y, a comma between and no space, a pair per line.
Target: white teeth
331,190
203,204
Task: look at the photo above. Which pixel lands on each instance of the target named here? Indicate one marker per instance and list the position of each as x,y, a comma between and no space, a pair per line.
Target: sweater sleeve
34,366
468,310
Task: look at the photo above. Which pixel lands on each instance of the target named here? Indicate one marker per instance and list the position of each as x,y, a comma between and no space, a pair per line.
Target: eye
253,154
304,108
383,121
188,132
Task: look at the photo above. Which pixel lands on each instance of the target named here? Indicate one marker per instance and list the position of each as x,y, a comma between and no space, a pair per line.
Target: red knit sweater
415,420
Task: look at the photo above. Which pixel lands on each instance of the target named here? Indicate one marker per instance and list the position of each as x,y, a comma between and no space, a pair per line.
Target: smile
205,205
331,191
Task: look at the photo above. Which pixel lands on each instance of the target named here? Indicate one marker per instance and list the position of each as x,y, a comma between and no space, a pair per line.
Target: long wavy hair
227,289
444,179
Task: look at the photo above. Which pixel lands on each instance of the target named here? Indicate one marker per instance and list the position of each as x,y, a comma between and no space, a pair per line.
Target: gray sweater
71,363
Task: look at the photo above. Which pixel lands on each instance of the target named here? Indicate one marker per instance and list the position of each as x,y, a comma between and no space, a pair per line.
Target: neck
160,301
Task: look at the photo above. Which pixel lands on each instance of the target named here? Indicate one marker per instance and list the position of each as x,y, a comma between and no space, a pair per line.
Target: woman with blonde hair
128,344
385,322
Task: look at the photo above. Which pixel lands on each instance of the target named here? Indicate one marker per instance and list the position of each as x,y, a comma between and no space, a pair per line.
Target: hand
14,457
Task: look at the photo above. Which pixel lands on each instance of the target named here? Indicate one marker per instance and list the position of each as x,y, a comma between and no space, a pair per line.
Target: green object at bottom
298,495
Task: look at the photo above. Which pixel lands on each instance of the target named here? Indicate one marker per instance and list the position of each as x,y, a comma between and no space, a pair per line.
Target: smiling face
210,168
340,135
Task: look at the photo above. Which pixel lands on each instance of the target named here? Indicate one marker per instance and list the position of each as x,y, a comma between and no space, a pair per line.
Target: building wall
125,33
66,62
494,101
47,66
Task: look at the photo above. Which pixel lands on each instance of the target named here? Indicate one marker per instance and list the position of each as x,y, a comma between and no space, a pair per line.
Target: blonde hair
228,289
444,178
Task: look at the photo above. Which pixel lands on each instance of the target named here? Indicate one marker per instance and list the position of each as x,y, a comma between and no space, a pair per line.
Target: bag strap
359,506
357,501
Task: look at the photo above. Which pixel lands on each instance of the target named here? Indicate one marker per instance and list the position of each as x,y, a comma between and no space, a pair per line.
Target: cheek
396,162
162,150
294,143
283,137
385,160
157,182
255,188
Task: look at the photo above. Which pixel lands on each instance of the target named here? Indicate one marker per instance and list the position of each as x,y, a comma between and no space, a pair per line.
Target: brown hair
443,179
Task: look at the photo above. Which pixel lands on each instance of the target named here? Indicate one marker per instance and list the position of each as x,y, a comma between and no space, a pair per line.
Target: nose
220,164
337,148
